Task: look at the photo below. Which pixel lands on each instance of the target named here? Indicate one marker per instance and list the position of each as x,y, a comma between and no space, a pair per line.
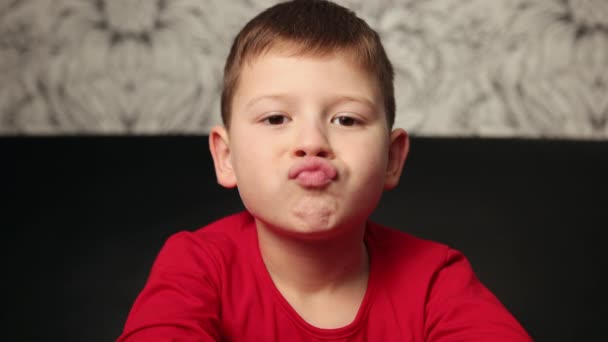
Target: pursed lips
313,172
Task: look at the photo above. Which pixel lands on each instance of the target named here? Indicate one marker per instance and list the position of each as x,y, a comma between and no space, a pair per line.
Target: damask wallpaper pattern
518,68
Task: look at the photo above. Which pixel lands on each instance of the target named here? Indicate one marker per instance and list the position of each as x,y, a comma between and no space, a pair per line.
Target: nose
312,141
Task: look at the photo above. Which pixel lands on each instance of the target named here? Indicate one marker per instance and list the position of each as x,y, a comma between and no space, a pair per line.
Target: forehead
284,72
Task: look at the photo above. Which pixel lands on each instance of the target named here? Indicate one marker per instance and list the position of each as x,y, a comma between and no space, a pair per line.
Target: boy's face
308,145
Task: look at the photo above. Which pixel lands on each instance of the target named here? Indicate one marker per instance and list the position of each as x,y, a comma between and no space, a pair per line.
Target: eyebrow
357,99
277,97
286,98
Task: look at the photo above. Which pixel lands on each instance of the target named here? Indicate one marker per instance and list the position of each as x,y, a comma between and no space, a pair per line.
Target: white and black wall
501,68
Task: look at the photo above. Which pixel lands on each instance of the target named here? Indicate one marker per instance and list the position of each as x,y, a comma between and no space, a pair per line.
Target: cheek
373,166
247,168
254,163
369,155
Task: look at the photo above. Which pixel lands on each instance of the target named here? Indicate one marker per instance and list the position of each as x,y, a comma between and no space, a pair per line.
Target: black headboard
84,217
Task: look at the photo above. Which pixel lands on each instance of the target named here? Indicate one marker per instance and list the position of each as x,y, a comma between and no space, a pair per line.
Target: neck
309,267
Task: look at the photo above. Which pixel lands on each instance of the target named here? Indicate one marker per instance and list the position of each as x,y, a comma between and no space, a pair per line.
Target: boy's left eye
344,120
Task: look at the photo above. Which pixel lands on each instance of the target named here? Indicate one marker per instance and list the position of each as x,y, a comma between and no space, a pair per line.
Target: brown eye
345,121
276,119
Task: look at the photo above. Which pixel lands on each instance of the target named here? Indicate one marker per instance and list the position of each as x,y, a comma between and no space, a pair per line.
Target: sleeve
180,301
460,308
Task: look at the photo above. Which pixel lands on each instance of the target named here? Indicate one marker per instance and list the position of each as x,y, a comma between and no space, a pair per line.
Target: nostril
304,152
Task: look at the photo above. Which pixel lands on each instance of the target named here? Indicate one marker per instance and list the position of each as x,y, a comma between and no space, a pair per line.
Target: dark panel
84,217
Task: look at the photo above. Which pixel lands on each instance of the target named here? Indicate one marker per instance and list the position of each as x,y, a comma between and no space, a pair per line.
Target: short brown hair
316,27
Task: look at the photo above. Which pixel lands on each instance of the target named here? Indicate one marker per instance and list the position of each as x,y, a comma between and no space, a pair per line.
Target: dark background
83,219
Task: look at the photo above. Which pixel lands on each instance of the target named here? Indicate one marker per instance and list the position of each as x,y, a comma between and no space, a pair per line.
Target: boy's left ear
397,153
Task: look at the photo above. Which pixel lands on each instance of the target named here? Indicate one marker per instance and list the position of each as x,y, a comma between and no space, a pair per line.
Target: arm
180,300
461,308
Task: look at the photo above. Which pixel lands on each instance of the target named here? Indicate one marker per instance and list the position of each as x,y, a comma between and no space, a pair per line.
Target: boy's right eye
276,119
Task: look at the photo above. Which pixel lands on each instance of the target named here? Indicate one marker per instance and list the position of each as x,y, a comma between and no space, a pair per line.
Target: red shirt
212,285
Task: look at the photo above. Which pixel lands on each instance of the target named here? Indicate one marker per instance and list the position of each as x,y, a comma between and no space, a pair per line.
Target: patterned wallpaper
522,68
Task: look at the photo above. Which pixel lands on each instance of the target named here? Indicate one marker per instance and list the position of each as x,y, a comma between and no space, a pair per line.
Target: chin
316,220
303,227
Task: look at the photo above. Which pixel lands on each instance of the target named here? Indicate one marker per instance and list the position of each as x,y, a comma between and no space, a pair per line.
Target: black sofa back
84,217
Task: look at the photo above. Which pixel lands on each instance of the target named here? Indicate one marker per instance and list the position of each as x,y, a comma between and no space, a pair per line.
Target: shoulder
183,292
406,248
207,246
228,226
440,283
405,258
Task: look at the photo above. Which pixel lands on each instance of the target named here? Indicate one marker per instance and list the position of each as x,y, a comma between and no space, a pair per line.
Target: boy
308,109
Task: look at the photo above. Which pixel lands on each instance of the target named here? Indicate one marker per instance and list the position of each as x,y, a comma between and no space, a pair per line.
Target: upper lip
313,164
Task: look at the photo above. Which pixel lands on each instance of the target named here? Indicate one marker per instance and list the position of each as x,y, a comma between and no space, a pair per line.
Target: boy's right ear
219,145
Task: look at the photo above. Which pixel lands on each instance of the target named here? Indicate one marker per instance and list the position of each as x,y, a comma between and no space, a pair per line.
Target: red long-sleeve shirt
212,285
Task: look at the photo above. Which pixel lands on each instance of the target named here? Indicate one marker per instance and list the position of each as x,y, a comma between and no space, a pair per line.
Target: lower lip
312,179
